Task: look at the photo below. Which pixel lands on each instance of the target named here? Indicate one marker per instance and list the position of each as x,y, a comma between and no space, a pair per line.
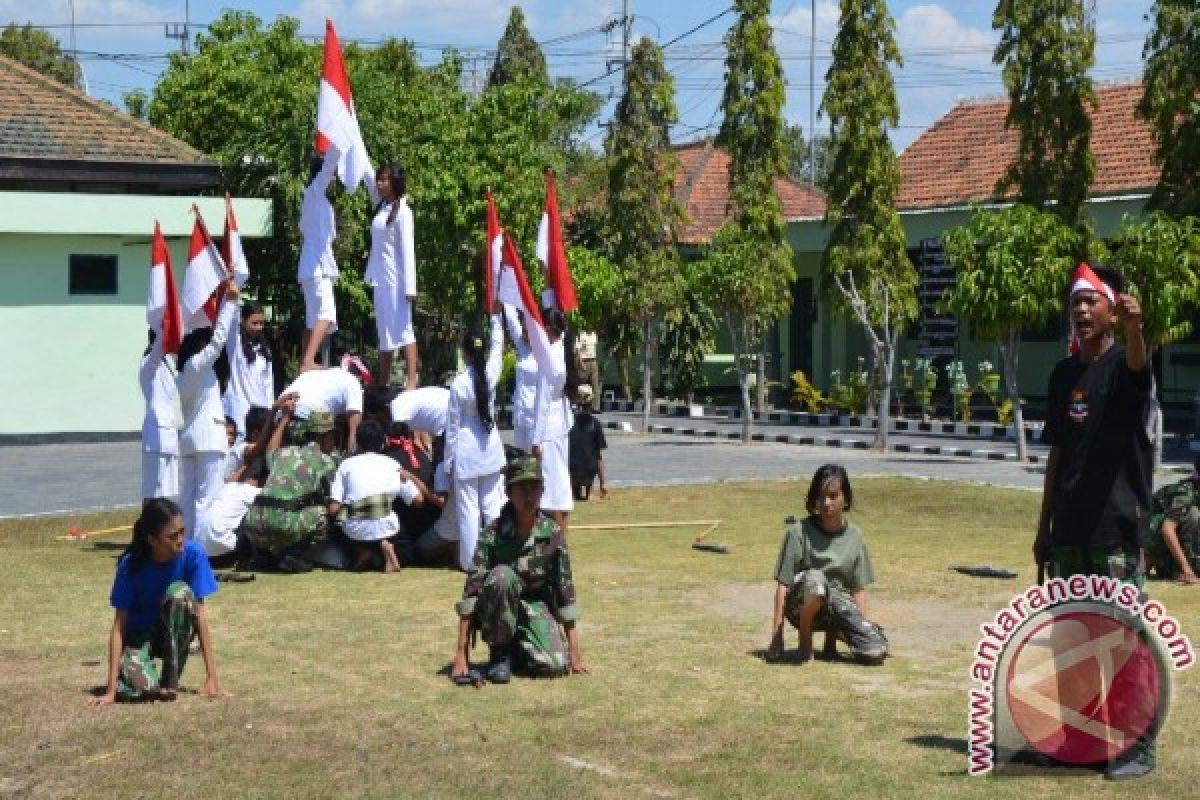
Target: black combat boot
499,668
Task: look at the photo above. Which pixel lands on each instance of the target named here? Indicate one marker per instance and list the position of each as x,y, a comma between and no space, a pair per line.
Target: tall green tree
39,50
752,130
519,58
865,269
802,151
643,212
1170,103
1046,49
1011,269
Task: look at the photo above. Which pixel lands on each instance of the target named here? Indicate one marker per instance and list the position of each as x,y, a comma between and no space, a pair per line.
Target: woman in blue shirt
159,590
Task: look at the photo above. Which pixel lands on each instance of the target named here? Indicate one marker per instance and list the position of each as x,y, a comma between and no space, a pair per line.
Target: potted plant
962,404
988,380
906,378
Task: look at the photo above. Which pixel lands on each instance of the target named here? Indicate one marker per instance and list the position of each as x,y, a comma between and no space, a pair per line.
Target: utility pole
812,94
183,33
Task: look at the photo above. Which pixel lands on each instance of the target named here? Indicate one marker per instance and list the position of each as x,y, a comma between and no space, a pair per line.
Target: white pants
472,496
160,474
201,476
393,318
318,303
556,475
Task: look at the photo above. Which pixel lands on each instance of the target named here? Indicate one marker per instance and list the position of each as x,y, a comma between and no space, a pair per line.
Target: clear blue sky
947,45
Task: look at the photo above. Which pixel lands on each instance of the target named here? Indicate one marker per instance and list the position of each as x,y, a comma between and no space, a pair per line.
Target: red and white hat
1086,280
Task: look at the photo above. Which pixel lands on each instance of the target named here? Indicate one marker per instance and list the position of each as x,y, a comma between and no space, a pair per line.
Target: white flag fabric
337,124
205,274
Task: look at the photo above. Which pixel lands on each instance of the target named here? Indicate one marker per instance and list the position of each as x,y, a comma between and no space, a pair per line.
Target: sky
947,46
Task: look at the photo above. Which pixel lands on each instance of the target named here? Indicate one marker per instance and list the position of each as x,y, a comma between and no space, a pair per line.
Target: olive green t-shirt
841,556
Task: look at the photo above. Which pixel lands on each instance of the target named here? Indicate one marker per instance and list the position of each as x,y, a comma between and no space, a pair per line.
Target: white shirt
334,390
471,451
552,409
318,227
234,458
200,393
217,522
525,387
250,383
423,409
366,475
447,524
157,380
392,261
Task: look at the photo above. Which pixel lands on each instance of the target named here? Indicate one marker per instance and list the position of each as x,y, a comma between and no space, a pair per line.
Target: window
92,275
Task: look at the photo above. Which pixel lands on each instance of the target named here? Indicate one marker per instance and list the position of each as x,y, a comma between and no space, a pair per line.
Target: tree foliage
866,270
247,97
1012,268
519,58
1046,50
40,51
800,156
1160,258
1171,103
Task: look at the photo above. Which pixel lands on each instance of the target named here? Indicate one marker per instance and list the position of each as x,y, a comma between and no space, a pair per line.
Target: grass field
340,679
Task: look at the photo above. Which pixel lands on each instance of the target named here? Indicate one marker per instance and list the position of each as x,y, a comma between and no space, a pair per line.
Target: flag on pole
231,246
162,302
493,256
513,287
205,276
337,125
560,289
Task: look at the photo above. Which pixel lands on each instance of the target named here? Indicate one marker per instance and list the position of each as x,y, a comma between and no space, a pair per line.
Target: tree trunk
743,388
647,374
760,400
885,360
1010,348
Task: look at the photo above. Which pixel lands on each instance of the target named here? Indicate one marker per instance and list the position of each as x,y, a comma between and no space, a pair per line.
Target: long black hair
399,180
556,322
150,337
156,515
192,344
474,347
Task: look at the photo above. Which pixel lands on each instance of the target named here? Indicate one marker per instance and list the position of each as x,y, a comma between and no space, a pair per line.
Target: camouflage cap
316,423
522,469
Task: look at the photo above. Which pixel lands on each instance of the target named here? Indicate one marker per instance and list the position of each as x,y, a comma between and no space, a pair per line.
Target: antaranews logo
1077,670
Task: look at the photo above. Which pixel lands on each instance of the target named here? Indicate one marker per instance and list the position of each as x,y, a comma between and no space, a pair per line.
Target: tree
800,152
38,50
752,130
643,212
1046,50
1012,268
137,103
865,269
518,56
688,337
1171,86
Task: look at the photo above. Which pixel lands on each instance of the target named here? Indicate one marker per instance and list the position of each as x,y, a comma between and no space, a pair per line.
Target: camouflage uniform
138,676
1179,502
291,509
521,589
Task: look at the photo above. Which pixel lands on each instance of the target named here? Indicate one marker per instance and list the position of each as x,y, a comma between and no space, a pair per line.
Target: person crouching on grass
158,593
823,571
519,591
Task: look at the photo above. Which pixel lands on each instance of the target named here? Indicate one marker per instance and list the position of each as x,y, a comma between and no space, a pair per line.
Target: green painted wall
72,360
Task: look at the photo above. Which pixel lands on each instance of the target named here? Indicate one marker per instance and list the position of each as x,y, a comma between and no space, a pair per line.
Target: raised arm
208,356
149,366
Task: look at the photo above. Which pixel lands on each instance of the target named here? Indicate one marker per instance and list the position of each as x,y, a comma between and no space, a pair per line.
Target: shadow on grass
109,546
792,657
933,741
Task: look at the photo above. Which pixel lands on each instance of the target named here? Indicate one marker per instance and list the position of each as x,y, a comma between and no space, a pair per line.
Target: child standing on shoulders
823,571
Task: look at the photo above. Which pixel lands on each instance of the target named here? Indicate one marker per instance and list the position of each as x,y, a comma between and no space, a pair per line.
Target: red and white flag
337,125
231,246
513,286
204,279
493,255
560,289
162,302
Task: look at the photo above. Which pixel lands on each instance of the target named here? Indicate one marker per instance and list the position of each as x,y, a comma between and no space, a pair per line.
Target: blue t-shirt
141,594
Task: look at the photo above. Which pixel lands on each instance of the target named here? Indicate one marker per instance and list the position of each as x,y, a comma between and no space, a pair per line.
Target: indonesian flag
1086,280
560,289
204,278
337,125
513,287
231,246
162,302
493,255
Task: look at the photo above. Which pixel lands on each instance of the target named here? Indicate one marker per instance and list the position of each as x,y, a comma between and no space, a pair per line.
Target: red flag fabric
204,279
513,287
492,255
231,246
337,125
553,254
162,301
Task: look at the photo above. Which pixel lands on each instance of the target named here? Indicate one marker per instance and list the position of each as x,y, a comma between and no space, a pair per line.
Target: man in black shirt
1096,499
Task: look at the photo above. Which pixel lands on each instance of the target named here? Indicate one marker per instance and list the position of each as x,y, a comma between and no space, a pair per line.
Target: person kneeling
519,592
158,595
823,571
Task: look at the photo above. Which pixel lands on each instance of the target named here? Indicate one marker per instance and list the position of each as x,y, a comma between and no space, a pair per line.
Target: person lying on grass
519,592
159,590
823,571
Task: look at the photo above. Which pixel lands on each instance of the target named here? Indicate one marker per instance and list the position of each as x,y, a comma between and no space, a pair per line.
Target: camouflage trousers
838,616
139,677
1127,566
504,617
277,529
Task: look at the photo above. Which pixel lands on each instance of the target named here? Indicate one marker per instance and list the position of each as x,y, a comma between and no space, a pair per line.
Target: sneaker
1128,770
499,666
